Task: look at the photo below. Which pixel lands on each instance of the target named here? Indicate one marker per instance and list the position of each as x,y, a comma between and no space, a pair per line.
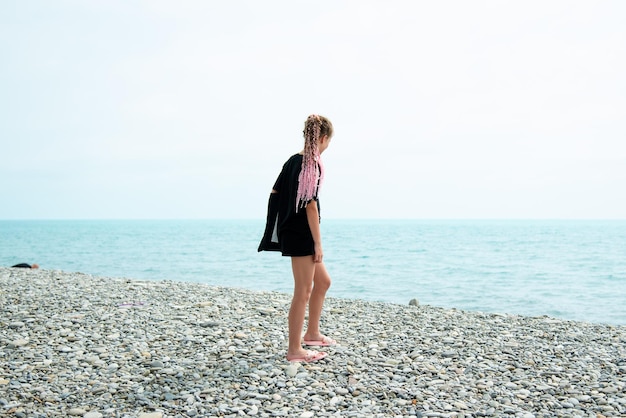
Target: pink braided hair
311,176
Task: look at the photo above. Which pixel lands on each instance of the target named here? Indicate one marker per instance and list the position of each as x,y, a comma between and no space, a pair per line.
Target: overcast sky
188,109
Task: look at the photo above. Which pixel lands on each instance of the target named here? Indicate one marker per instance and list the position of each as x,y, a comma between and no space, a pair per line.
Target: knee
323,283
303,293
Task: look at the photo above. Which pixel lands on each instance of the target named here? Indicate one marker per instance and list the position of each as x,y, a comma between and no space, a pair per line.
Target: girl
293,227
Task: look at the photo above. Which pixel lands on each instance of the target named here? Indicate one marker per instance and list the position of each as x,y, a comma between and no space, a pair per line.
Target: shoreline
76,344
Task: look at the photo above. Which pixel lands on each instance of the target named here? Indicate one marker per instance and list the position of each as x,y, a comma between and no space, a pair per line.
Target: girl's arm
313,217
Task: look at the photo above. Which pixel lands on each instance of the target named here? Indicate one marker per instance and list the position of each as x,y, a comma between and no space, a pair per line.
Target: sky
152,109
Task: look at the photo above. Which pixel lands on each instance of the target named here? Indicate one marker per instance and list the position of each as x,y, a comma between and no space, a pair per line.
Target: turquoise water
567,269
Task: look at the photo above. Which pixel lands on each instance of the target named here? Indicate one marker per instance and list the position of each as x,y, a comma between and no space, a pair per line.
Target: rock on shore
76,345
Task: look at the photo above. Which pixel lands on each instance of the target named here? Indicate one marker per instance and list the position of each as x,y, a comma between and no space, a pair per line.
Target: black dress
287,227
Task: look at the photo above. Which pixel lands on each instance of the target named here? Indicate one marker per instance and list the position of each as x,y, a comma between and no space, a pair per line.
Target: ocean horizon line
333,219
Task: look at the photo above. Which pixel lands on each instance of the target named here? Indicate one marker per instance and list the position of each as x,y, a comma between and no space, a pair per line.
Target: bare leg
321,283
303,276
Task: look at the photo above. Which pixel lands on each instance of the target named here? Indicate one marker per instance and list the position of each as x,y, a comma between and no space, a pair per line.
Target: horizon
330,219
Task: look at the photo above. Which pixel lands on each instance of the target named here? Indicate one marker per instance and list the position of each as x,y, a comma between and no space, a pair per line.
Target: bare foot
320,341
307,356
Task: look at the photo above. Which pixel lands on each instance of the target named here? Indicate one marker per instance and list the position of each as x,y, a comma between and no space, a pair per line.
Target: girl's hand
313,218
318,254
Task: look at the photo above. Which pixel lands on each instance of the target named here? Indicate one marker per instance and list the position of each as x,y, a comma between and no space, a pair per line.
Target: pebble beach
73,344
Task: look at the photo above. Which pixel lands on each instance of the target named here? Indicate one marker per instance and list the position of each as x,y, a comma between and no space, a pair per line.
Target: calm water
568,269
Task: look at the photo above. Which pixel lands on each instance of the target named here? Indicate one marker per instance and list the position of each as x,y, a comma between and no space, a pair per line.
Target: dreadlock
312,172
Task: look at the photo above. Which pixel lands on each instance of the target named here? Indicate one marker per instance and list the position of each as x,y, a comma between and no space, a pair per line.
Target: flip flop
324,342
311,355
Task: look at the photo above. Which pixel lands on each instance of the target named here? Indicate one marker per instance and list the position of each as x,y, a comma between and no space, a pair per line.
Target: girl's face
323,143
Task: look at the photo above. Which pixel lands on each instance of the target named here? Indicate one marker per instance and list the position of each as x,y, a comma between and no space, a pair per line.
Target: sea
568,269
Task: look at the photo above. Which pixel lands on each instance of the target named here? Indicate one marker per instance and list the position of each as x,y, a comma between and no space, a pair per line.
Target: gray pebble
188,349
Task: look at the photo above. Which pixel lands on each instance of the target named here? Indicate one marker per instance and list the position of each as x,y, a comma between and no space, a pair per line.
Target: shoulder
296,158
294,162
